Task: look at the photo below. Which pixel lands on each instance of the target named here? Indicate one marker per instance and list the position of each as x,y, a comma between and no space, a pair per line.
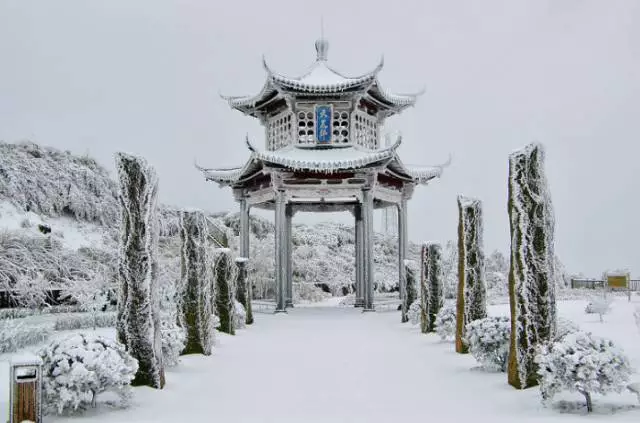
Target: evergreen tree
224,294
411,292
472,289
432,292
138,323
243,289
531,274
196,280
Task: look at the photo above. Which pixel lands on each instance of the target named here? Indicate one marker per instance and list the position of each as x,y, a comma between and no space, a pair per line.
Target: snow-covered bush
79,368
411,288
446,322
243,290
16,313
303,291
239,316
138,325
173,341
414,312
636,314
431,286
472,289
582,363
532,278
564,327
86,321
488,341
600,305
15,334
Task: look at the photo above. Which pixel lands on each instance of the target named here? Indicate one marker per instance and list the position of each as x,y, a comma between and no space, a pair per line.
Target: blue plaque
323,124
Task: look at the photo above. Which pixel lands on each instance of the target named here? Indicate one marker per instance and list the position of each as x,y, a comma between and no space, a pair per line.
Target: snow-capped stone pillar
138,321
532,272
359,228
289,251
367,223
281,267
244,228
402,253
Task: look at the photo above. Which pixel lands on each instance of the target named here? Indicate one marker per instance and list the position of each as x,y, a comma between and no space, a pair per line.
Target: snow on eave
250,101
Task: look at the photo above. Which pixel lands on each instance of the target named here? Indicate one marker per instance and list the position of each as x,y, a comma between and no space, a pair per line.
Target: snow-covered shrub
564,327
532,279
583,363
446,322
303,291
16,334
414,312
224,292
173,341
600,305
30,291
472,289
488,341
197,283
239,316
243,290
411,293
79,368
86,321
431,286
16,313
636,314
138,325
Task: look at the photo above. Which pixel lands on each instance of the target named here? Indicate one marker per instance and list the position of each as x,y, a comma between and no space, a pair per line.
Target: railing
634,284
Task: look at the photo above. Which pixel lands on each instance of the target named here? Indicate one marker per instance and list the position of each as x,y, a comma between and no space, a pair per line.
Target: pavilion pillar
367,223
289,258
359,253
244,228
402,255
280,253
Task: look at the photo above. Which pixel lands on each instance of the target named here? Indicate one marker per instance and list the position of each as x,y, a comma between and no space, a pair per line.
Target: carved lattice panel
341,127
306,122
279,130
365,129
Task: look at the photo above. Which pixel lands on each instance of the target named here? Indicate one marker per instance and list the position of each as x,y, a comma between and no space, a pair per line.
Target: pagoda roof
323,160
322,80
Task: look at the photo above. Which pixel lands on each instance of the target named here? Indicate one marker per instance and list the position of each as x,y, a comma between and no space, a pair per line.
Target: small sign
617,281
323,123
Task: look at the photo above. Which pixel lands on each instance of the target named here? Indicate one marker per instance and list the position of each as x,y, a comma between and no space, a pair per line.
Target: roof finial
322,45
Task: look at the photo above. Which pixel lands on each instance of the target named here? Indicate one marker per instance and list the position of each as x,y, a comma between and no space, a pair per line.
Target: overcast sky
101,76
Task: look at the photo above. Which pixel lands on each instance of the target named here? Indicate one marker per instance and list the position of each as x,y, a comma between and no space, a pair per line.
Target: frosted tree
471,301
224,293
196,280
412,292
531,276
243,289
431,284
636,315
138,324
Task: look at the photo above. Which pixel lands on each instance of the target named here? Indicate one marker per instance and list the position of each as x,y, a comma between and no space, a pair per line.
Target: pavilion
323,153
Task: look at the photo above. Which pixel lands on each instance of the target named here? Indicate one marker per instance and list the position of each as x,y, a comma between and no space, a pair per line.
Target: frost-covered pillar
367,224
138,323
431,286
280,270
402,254
244,228
531,275
196,296
289,255
359,252
472,289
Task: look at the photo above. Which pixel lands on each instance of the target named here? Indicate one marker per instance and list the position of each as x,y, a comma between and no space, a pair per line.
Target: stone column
359,227
244,228
402,254
367,221
289,260
280,235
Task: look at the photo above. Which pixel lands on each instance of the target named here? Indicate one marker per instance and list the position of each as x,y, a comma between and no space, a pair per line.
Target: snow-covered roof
322,79
325,160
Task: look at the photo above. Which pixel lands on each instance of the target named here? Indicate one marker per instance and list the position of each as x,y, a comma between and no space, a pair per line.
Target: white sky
143,76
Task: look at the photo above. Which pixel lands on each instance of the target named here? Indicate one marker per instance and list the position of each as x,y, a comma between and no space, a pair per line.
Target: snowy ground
336,364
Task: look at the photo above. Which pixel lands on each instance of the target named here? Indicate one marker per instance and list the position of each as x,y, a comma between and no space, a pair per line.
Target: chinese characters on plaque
323,124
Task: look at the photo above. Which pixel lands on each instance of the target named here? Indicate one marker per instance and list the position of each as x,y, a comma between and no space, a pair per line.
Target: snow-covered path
333,365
